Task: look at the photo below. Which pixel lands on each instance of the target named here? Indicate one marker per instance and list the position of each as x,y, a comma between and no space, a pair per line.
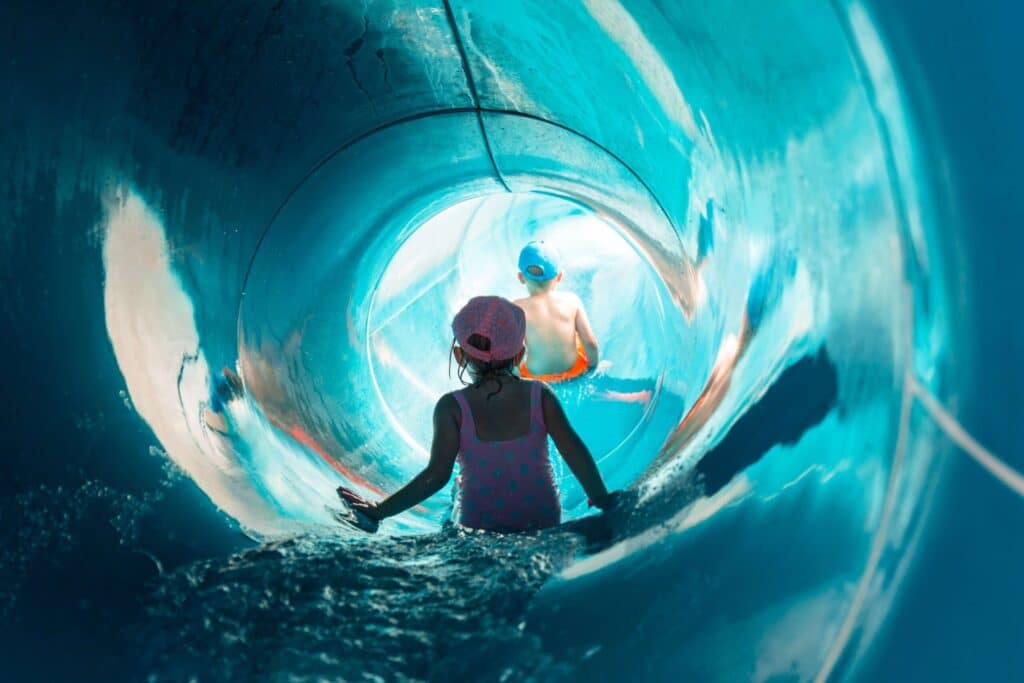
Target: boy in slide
559,341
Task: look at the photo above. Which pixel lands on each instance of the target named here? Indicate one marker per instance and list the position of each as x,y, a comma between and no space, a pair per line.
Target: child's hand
358,503
609,501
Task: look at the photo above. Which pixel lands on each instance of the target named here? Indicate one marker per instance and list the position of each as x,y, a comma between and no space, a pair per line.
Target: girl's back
501,414
506,481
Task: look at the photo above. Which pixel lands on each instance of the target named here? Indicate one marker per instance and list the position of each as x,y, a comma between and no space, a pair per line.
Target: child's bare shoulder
569,299
447,404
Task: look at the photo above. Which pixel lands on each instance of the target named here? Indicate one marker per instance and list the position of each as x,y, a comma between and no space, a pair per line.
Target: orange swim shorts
577,369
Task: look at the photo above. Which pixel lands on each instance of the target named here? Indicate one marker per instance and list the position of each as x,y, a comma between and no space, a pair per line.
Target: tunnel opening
470,248
328,294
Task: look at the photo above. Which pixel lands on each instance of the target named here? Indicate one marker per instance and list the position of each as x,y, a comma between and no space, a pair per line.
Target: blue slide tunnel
794,226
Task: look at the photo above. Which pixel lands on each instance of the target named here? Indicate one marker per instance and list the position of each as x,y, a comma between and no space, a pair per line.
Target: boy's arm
438,471
572,449
586,334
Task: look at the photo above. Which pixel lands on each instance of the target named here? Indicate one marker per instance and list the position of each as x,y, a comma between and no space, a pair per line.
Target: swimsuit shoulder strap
536,407
468,428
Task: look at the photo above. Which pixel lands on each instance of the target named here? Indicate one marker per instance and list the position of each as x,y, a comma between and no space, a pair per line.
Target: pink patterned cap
497,319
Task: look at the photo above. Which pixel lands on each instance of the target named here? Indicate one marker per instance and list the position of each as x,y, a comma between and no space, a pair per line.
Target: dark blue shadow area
799,399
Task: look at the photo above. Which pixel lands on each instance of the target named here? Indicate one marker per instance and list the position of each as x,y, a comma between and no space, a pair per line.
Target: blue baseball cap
539,261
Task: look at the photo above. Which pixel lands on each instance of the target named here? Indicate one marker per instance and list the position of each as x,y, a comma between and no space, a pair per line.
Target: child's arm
434,476
587,337
572,448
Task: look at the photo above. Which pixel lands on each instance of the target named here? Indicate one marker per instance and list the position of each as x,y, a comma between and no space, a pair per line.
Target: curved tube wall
231,185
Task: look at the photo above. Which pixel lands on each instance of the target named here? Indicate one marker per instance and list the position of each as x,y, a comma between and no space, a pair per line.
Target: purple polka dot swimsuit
507,485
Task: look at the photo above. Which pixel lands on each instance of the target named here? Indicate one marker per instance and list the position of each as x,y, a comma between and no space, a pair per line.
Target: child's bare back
559,338
553,319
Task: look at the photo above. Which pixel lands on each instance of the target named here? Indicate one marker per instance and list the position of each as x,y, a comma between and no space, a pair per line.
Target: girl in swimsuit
497,429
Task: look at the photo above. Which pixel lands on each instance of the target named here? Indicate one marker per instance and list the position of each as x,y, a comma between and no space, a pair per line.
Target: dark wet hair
485,371
536,271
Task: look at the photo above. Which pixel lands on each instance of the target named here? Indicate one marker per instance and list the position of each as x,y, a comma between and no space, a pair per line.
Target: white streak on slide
152,328
955,431
624,30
